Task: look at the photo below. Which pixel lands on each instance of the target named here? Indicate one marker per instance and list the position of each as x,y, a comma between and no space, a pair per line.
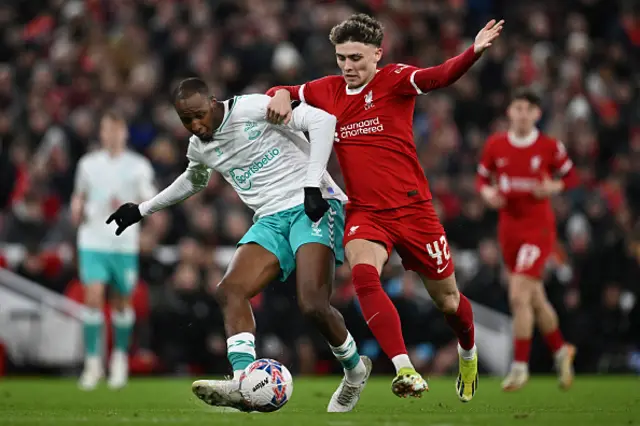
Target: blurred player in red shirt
389,199
516,176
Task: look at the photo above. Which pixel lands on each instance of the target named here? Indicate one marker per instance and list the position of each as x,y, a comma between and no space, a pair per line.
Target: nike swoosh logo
441,270
372,317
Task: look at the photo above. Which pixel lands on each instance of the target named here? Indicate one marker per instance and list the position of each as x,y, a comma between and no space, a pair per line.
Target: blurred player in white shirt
104,179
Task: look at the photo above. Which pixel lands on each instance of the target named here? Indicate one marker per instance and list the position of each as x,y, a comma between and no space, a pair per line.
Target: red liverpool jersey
518,165
374,131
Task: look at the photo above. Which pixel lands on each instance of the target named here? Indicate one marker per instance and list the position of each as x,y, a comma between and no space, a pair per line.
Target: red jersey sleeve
317,93
417,81
563,165
486,165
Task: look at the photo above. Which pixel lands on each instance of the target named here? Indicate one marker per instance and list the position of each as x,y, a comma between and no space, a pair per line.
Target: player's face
523,115
358,62
196,114
113,133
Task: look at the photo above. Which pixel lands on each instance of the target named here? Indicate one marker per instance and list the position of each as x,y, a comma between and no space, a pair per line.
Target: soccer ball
266,385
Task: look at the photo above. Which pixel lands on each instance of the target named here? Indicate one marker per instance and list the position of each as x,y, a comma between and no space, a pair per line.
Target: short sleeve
405,79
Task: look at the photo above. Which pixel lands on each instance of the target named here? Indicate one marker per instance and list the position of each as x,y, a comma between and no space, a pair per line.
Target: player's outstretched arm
447,73
193,180
321,127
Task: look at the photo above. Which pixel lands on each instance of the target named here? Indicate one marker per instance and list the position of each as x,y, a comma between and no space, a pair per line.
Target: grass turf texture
603,401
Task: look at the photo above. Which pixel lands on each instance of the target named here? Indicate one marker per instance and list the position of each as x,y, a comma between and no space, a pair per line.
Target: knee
539,298
314,309
521,293
93,297
519,299
314,304
447,301
120,304
366,279
227,291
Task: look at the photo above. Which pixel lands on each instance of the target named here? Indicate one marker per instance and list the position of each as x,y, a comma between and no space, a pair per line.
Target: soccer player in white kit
104,179
298,223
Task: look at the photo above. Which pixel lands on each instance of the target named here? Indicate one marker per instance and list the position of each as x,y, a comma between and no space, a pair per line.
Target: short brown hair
114,115
526,94
360,28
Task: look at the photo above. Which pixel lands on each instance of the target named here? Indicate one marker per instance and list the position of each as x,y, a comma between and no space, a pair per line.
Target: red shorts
526,254
414,231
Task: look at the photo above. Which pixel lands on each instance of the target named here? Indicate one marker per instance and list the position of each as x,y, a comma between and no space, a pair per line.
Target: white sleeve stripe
301,93
412,79
482,171
566,167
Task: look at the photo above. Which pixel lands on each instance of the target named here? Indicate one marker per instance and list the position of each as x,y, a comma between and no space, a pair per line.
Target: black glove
126,215
315,206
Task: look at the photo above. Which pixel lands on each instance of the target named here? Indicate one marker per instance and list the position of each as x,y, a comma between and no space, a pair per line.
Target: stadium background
63,62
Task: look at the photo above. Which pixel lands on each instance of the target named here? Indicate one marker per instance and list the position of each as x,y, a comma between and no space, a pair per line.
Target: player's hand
315,206
279,109
487,35
492,197
547,188
126,215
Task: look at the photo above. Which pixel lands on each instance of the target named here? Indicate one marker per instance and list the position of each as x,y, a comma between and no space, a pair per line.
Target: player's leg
459,315
252,268
254,265
423,247
124,269
546,319
93,274
367,249
520,289
318,248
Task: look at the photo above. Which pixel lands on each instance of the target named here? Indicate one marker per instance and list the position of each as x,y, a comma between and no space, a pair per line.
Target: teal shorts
284,232
119,270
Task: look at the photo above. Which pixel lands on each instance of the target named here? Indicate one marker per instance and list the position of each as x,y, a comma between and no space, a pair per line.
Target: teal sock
122,323
93,322
347,353
241,351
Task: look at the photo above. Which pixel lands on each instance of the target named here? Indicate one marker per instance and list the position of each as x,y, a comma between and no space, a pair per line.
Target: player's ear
378,54
537,113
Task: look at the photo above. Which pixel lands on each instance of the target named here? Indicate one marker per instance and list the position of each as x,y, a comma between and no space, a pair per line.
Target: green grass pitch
602,401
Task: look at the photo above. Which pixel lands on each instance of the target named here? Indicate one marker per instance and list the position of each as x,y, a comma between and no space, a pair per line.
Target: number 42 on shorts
439,250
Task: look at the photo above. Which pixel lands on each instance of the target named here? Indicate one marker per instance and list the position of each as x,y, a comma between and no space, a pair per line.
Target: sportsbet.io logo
241,176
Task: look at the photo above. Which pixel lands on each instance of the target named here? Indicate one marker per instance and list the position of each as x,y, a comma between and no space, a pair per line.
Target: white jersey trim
412,79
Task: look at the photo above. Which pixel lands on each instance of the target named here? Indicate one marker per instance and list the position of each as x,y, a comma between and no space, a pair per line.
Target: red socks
378,310
554,340
462,323
521,350
383,320
522,347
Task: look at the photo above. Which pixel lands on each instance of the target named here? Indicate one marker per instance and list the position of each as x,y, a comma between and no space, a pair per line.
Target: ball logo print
266,385
280,390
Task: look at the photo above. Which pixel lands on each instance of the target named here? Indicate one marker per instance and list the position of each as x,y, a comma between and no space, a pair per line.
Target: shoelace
347,394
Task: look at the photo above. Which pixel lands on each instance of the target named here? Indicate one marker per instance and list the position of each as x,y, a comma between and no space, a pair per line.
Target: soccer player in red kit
518,172
389,199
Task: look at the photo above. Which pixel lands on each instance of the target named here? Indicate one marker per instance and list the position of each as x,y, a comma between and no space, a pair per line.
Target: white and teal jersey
105,182
265,163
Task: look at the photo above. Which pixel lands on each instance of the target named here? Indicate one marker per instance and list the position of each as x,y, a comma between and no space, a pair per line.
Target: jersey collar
523,142
359,90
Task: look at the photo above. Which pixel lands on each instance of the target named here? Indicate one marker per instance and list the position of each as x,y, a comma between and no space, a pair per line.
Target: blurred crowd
64,61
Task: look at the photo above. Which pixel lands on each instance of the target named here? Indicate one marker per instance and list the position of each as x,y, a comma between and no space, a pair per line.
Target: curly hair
359,28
